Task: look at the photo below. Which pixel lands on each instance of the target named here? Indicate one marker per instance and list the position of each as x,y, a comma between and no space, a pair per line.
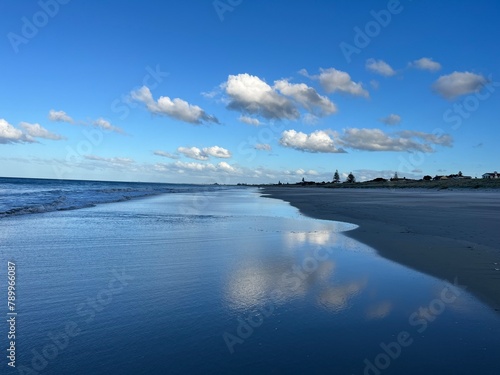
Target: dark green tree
351,178
336,176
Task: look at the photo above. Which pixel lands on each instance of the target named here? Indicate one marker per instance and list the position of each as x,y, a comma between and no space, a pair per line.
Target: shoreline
445,234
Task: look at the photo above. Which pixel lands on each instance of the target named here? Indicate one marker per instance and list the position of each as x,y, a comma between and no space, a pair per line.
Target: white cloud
437,139
194,167
217,152
60,116
263,147
250,120
166,154
10,134
193,153
251,95
176,108
377,140
37,131
203,154
380,67
225,167
459,83
307,97
318,141
106,125
333,80
426,63
392,119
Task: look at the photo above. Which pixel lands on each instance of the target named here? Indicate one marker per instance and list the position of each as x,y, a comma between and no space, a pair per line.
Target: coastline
446,234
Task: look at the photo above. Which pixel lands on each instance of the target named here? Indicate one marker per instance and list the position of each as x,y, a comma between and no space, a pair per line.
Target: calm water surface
227,282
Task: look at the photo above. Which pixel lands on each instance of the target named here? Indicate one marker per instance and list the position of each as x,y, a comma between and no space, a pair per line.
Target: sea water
221,280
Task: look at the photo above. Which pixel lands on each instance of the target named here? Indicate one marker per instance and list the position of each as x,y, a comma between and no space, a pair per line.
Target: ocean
138,278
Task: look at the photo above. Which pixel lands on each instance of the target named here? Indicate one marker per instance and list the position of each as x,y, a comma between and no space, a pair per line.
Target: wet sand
446,234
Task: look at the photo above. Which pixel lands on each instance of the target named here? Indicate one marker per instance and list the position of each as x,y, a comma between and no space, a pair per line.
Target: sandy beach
446,234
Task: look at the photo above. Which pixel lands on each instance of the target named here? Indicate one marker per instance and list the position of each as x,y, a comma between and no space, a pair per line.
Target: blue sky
248,91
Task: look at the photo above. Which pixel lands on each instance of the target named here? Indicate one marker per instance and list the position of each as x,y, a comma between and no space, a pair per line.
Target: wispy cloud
60,116
392,119
106,125
380,67
166,154
175,108
37,131
250,120
263,147
110,162
363,139
425,63
378,140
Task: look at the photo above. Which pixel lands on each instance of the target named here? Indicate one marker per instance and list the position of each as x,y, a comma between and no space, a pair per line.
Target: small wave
30,196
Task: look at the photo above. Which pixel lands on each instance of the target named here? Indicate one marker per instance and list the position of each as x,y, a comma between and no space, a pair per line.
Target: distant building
491,175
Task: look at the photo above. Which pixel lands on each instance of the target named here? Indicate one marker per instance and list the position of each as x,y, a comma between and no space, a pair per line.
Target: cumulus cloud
217,152
318,141
380,67
106,125
307,97
37,131
392,119
333,80
426,63
225,167
263,147
203,154
60,116
251,95
10,134
364,139
378,140
250,120
165,154
193,153
459,83
175,108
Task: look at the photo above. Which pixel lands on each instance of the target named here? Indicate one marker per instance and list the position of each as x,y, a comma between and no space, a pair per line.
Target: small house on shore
491,175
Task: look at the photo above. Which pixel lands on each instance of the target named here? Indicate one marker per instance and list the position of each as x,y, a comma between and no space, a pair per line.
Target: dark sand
446,234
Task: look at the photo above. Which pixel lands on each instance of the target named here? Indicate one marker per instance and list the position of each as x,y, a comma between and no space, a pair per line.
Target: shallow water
228,282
